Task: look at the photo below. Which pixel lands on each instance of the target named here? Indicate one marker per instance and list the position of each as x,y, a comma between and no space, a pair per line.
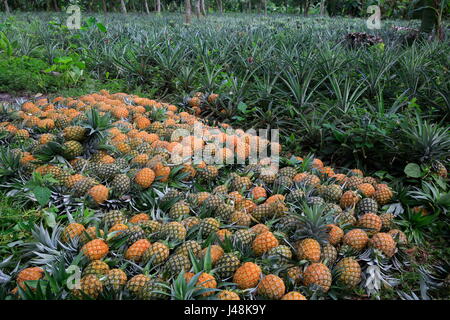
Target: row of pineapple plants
139,226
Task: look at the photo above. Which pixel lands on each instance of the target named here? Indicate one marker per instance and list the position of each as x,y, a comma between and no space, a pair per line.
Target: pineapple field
133,164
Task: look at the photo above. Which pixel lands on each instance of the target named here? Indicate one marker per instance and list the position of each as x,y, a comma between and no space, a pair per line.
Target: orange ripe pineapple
275,198
335,234
258,193
356,238
228,295
223,233
309,249
271,287
370,221
384,242
293,295
318,274
349,198
383,194
162,173
71,231
216,253
137,250
145,177
247,275
99,193
366,189
95,249
29,274
207,281
259,228
264,242
140,217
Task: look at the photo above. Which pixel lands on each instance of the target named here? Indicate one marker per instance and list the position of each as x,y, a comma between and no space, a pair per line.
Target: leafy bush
26,74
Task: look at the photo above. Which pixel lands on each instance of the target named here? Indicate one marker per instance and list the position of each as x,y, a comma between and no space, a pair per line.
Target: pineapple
177,263
90,285
356,238
72,149
227,265
271,287
349,199
371,222
335,234
173,230
134,233
293,295
97,267
243,236
71,231
76,133
99,193
179,209
282,253
208,226
136,283
308,249
349,272
95,249
152,290
383,194
145,177
328,254
240,218
190,245
113,217
241,184
247,275
158,252
224,211
264,242
137,250
115,279
367,205
289,172
318,274
384,242
228,295
332,193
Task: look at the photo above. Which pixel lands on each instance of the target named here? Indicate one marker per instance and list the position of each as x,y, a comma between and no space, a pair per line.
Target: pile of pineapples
159,230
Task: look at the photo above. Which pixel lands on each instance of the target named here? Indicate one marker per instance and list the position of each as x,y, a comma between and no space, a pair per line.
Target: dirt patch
12,98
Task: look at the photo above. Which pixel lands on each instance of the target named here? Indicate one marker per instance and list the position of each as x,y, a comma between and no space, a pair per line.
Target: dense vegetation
374,100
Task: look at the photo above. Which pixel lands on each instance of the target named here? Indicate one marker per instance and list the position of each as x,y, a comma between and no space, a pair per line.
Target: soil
11,98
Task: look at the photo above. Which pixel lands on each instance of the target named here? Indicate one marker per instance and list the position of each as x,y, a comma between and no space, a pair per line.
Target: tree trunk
55,5
202,7
265,7
6,6
158,6
147,10
105,9
123,7
331,7
188,10
219,6
249,6
197,8
429,17
322,7
306,8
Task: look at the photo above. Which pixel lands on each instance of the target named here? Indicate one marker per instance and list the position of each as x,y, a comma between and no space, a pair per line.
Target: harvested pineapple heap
158,230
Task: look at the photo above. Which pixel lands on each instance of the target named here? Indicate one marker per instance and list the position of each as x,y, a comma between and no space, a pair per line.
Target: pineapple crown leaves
202,264
313,224
52,151
9,163
96,124
185,290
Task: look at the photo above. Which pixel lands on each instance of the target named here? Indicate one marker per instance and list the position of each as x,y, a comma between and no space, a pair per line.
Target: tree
6,6
219,6
332,7
202,7
197,8
105,9
188,10
158,6
147,10
123,7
